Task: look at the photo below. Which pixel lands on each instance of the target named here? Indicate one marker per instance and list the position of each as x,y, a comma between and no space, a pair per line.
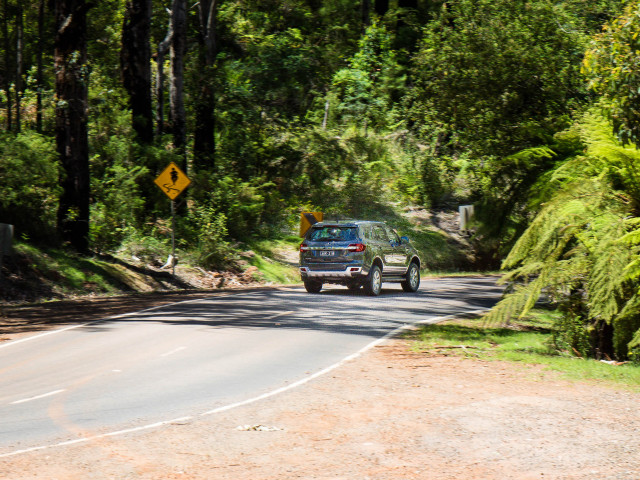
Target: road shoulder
388,414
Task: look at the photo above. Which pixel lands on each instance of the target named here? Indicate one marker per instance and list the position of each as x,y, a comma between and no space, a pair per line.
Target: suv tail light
304,247
356,247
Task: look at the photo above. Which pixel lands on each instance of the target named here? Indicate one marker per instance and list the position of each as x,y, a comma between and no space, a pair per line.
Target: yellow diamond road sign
172,181
307,219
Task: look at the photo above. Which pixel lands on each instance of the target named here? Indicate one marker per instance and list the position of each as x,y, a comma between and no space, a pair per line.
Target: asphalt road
179,361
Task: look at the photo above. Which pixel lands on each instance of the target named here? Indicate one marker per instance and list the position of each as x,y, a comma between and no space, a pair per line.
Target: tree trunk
604,341
163,48
135,56
413,4
39,72
176,88
366,14
204,135
381,7
19,64
7,62
70,58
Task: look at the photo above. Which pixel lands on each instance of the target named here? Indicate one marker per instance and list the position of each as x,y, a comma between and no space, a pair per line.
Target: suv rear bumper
348,272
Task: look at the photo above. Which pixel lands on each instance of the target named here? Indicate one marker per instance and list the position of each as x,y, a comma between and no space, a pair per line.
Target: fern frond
530,156
516,304
607,282
631,238
635,341
583,238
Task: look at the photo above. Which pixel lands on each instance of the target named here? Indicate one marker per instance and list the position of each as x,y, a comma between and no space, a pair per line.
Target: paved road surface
195,357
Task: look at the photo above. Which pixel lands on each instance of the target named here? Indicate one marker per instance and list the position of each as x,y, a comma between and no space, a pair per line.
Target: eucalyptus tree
204,135
40,66
70,61
135,58
19,63
7,70
177,50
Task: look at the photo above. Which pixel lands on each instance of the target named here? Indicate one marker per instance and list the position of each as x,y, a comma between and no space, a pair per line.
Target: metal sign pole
173,237
172,181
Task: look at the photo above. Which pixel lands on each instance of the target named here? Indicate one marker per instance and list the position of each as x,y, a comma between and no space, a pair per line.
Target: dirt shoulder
388,414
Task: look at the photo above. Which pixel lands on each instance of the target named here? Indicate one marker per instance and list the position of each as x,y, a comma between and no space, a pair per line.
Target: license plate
327,253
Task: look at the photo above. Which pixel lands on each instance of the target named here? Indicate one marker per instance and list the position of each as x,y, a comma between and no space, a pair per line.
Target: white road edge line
175,350
51,332
96,437
353,356
37,397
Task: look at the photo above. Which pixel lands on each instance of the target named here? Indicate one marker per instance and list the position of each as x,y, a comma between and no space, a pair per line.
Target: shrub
29,173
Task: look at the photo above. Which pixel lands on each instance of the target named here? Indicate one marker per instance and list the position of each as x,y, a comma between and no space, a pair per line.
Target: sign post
172,181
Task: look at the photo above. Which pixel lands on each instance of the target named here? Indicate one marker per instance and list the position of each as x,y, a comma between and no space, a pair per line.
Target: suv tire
373,283
412,283
312,286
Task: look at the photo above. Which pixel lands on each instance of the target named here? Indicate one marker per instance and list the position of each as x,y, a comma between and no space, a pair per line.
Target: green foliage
151,248
494,82
367,88
245,204
498,73
104,26
572,335
574,249
613,70
117,177
118,205
30,172
448,103
213,250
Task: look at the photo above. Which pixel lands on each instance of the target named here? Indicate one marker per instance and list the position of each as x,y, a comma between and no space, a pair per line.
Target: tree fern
581,246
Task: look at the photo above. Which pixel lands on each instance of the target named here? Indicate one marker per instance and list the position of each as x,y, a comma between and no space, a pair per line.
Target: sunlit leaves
499,72
612,65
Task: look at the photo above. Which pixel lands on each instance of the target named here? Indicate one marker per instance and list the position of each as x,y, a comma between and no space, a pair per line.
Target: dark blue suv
358,254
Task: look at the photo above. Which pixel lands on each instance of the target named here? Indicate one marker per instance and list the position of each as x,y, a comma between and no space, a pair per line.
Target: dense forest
526,109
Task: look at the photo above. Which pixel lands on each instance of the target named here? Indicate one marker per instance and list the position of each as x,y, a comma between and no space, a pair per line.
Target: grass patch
527,341
64,273
274,258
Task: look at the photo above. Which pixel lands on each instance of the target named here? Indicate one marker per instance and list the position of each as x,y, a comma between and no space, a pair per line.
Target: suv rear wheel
412,283
373,283
312,286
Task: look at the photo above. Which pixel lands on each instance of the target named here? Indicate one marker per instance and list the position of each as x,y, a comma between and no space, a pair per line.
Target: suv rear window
333,233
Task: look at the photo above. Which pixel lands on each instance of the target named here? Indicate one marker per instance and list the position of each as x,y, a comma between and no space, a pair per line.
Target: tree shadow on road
335,309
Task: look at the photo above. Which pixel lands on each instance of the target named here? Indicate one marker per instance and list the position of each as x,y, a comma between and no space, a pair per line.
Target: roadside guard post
172,181
307,219
465,213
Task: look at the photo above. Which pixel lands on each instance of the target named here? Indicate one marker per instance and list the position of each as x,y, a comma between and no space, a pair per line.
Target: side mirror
404,240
